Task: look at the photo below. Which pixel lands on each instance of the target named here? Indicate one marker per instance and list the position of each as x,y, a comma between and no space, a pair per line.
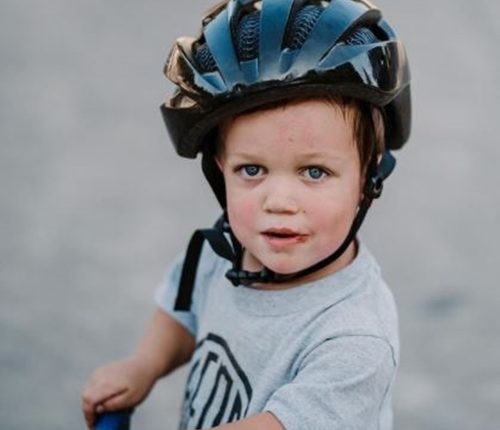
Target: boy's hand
115,386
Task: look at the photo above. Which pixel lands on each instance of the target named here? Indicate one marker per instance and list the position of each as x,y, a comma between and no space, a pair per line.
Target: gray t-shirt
319,356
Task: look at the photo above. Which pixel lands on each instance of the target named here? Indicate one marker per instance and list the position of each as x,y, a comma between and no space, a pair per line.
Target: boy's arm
264,421
166,344
125,383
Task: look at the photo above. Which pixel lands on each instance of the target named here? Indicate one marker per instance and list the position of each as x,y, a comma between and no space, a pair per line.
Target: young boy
294,106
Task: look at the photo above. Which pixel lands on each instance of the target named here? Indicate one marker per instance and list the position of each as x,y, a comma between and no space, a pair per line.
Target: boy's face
293,184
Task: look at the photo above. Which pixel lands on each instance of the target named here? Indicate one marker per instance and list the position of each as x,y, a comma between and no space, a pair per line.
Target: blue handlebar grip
118,420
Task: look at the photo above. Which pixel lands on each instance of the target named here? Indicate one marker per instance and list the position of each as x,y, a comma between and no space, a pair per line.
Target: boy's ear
220,163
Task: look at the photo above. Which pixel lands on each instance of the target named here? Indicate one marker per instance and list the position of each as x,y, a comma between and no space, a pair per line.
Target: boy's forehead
305,129
304,110
308,121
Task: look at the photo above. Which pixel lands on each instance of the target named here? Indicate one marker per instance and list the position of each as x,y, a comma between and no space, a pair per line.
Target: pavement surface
94,204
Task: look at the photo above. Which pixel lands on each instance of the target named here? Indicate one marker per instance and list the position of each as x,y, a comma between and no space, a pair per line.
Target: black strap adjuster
375,183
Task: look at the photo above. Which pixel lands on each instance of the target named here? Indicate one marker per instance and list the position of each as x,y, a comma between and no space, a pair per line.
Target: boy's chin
283,266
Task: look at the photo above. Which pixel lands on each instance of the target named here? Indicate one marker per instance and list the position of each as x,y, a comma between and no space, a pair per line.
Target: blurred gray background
94,204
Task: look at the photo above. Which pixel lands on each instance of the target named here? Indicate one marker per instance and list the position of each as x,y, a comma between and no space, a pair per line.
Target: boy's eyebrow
302,156
243,154
318,154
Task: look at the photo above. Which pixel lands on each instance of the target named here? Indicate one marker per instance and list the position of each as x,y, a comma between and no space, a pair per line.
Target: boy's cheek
330,216
242,212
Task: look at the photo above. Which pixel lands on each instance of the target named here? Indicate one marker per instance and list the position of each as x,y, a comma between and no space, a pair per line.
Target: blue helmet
251,52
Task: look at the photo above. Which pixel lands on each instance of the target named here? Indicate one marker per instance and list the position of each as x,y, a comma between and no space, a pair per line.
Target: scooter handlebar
118,420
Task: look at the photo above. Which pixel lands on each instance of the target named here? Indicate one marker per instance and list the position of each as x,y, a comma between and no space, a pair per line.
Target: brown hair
366,120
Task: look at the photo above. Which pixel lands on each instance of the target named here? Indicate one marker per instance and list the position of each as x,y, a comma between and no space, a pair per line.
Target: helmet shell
322,62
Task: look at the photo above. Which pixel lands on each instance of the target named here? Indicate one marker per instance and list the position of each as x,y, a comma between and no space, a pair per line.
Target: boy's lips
283,236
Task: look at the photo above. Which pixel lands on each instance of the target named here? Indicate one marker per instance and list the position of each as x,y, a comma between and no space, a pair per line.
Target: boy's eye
250,170
315,173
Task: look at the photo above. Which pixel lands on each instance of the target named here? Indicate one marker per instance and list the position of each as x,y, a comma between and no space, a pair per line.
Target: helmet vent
204,58
360,36
248,36
248,30
247,43
305,20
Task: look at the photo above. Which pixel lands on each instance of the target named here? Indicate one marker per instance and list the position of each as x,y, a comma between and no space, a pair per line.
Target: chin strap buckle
243,277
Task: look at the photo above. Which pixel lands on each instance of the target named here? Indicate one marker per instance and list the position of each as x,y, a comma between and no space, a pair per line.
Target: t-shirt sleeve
166,293
341,384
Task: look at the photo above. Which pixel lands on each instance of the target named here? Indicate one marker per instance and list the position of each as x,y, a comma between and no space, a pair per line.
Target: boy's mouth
283,236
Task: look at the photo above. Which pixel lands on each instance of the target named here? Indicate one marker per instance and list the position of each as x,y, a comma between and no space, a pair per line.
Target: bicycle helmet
254,52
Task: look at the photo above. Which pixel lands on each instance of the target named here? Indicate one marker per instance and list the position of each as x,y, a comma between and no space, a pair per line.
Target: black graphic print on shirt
217,389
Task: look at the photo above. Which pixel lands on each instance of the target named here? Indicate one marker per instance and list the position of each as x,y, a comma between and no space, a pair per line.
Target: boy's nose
280,201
